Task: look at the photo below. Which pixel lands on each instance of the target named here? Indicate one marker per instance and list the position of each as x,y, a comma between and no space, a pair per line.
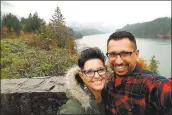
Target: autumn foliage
143,63
153,66
31,48
33,51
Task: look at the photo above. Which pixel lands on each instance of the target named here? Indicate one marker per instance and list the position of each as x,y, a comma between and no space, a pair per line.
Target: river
160,48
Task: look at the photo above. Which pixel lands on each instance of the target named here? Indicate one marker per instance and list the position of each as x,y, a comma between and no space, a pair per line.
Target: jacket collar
137,69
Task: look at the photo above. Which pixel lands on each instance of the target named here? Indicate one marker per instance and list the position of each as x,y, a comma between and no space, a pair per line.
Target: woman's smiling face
95,81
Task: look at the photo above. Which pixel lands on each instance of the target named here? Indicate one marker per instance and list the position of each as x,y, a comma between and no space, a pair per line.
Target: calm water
148,47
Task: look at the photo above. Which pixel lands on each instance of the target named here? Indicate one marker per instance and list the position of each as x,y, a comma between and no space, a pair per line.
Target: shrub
153,66
18,60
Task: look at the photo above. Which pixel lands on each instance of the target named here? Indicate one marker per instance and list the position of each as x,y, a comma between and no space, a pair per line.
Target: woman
85,84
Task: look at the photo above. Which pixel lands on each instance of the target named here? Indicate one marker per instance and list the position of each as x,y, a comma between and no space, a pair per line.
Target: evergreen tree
32,23
12,23
57,18
154,64
59,29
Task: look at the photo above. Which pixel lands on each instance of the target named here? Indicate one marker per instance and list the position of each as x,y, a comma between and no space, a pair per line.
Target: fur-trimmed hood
74,89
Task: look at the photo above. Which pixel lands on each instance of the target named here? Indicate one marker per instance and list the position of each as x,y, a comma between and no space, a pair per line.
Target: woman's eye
100,70
89,72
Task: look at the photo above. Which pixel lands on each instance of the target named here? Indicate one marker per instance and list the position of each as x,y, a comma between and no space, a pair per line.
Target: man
131,89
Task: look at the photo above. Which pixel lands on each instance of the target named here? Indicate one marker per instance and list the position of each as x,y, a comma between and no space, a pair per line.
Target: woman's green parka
80,101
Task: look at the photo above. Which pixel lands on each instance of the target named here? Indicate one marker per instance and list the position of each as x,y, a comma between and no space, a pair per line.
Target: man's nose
118,59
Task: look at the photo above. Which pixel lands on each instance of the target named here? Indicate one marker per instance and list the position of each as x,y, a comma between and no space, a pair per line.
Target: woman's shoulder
72,106
74,102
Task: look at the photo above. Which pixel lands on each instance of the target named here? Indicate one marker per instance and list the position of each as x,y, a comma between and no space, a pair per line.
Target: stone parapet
32,96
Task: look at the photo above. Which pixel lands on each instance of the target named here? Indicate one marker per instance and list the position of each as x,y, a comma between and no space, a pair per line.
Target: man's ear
137,54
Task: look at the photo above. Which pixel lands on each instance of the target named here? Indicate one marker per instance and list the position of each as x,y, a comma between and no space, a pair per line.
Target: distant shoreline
156,37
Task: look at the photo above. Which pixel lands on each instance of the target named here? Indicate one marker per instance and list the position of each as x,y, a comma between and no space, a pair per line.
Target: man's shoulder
146,74
140,70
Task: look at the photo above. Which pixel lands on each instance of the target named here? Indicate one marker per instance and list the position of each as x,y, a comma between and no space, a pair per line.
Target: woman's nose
96,75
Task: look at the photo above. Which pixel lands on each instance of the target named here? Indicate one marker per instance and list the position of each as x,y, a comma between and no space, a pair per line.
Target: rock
34,96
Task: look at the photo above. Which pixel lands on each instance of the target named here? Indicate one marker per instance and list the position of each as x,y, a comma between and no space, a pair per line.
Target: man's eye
125,53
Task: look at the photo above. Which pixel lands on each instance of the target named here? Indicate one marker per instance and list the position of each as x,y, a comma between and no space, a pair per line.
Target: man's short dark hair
90,53
120,35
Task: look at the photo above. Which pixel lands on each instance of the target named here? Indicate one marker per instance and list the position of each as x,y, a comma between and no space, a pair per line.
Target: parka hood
74,89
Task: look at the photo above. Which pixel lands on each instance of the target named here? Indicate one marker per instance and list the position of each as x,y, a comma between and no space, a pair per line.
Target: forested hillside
158,28
32,48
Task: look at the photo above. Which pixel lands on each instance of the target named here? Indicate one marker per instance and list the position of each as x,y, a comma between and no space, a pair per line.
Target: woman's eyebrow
94,69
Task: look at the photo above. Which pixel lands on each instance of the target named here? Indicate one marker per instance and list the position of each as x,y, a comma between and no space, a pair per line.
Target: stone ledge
37,84
32,96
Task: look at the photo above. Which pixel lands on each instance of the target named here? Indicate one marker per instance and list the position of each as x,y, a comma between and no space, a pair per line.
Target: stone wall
36,96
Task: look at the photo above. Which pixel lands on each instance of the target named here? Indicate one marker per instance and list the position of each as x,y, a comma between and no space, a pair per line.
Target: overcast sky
118,13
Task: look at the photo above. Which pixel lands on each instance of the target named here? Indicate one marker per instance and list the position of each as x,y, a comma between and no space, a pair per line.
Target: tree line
158,28
32,24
